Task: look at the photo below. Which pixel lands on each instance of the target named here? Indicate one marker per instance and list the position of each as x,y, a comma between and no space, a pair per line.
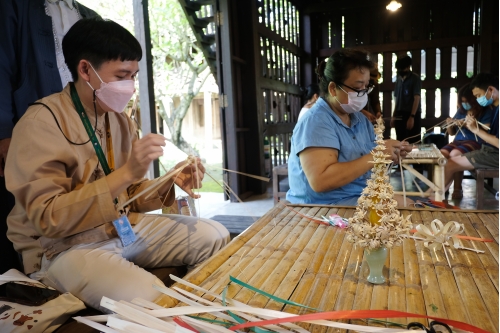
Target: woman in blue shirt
330,155
465,141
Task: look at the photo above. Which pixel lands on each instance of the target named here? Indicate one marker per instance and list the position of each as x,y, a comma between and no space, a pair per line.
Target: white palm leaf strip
174,294
403,181
203,326
185,310
146,304
128,327
157,183
236,303
229,300
150,320
143,318
268,314
93,324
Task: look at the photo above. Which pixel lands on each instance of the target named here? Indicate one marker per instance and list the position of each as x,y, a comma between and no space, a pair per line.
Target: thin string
420,134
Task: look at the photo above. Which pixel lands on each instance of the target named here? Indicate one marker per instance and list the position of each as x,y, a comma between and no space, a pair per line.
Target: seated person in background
311,96
67,201
485,89
372,109
330,155
465,141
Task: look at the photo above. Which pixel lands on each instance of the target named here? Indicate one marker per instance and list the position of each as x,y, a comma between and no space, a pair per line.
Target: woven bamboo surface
297,259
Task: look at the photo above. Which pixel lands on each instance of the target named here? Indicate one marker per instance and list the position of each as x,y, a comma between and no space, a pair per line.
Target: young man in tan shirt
67,222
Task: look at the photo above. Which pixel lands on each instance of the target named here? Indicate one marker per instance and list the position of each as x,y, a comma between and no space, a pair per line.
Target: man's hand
144,151
410,123
472,124
4,148
190,177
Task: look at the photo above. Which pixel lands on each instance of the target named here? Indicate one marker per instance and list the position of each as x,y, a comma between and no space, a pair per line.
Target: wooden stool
280,170
481,175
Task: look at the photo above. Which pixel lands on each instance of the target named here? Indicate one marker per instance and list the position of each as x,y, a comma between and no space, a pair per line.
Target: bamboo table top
297,259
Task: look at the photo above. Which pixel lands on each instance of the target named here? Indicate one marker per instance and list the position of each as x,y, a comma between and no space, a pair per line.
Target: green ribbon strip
277,299
223,323
238,319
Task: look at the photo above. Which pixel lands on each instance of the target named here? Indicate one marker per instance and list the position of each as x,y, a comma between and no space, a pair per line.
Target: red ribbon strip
182,323
357,314
464,237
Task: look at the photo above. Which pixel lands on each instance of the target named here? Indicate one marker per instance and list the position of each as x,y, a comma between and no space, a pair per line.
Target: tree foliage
178,63
179,67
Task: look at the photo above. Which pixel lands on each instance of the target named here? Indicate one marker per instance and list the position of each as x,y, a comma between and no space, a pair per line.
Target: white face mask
355,103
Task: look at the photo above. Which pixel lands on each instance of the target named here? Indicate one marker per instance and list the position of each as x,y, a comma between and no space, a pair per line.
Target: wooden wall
268,49
278,59
421,27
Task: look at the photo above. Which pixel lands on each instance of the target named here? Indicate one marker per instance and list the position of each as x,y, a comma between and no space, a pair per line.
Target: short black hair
403,63
98,41
338,66
310,91
483,81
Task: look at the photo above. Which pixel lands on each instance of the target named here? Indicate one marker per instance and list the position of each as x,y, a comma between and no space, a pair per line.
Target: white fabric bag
19,318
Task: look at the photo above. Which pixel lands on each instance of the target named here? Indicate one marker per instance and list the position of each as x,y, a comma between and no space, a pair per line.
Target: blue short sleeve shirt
485,119
321,127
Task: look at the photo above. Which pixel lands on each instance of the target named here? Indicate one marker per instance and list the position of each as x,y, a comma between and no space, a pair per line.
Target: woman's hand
395,149
190,177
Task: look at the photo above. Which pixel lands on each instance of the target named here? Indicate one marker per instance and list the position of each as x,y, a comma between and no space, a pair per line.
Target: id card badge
124,230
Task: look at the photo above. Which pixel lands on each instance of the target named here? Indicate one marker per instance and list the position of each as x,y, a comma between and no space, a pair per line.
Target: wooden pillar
485,46
227,102
307,62
146,84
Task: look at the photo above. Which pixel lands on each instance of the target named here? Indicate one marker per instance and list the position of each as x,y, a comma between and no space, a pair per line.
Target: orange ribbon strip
464,237
358,314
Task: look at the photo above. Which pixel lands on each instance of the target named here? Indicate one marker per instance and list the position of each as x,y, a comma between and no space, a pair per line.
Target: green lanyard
88,127
90,131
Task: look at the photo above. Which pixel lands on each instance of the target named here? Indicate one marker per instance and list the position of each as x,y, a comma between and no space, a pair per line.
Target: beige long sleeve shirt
60,188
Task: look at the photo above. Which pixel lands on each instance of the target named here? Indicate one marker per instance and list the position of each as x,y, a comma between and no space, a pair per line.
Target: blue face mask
466,106
483,101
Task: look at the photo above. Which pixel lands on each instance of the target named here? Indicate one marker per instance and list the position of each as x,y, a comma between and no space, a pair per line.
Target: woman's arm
325,173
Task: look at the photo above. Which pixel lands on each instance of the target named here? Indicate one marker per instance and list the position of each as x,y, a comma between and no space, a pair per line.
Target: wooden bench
481,175
280,170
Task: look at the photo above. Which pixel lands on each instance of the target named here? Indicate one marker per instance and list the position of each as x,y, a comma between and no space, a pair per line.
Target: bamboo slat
485,263
295,258
285,289
298,254
460,261
484,233
434,304
447,285
397,295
